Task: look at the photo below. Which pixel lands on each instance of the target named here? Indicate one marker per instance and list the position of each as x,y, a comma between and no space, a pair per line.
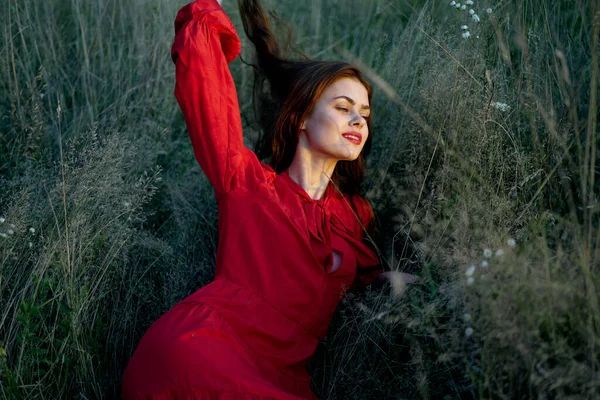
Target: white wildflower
3,234
471,11
484,264
2,219
31,230
511,242
470,280
489,10
463,7
499,253
501,106
469,2
30,245
127,204
467,317
452,3
466,34
457,5
470,271
10,232
487,253
468,331
464,27
476,18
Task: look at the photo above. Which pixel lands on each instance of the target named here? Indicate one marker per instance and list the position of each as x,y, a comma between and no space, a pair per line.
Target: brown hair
294,86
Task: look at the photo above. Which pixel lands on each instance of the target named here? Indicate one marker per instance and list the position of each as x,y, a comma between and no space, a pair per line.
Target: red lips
348,135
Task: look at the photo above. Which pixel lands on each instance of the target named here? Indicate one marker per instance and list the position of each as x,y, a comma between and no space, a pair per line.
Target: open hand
398,281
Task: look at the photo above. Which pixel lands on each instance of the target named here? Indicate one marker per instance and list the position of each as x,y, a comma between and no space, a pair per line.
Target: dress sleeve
205,42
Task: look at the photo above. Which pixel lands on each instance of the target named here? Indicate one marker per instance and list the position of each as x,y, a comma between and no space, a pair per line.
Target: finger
409,278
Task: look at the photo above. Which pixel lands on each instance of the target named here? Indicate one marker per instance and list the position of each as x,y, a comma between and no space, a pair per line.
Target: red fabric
250,333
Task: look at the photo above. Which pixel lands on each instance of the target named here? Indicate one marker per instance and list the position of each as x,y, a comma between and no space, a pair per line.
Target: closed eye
345,109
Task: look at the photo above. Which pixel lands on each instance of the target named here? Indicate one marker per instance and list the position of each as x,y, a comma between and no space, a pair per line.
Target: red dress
250,333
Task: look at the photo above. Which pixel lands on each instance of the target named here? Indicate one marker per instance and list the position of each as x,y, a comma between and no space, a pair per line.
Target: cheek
324,126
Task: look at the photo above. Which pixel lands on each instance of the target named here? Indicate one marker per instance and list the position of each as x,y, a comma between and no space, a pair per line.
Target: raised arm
205,42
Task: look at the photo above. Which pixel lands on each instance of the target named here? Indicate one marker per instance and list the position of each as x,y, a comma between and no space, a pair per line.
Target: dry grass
94,156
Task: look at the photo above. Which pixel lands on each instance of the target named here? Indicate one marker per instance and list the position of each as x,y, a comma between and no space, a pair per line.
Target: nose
358,121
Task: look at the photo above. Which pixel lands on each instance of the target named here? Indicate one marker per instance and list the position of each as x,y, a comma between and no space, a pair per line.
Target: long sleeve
205,42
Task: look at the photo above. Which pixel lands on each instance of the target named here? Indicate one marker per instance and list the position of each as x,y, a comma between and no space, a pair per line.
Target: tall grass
94,156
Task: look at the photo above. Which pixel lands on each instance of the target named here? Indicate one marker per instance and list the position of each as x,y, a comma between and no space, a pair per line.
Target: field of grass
484,176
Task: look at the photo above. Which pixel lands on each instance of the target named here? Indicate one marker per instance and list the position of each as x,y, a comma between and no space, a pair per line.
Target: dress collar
330,191
322,220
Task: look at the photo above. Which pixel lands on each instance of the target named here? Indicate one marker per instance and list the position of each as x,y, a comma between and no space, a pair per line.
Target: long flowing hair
285,93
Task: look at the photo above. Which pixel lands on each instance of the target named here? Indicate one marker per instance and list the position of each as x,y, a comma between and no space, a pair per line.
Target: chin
349,158
344,154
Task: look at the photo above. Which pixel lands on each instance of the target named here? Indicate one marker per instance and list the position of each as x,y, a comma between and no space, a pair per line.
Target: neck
311,172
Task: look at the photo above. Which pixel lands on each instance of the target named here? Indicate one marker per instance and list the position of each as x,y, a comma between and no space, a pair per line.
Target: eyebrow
352,102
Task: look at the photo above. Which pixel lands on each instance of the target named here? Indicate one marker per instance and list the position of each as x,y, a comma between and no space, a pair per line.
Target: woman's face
339,114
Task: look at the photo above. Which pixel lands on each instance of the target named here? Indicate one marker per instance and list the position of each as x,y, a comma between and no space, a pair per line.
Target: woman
291,232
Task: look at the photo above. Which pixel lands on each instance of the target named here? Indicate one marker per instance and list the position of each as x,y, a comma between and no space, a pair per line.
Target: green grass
95,157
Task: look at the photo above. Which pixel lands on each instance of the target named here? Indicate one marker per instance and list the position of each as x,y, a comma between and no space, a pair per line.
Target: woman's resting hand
398,281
